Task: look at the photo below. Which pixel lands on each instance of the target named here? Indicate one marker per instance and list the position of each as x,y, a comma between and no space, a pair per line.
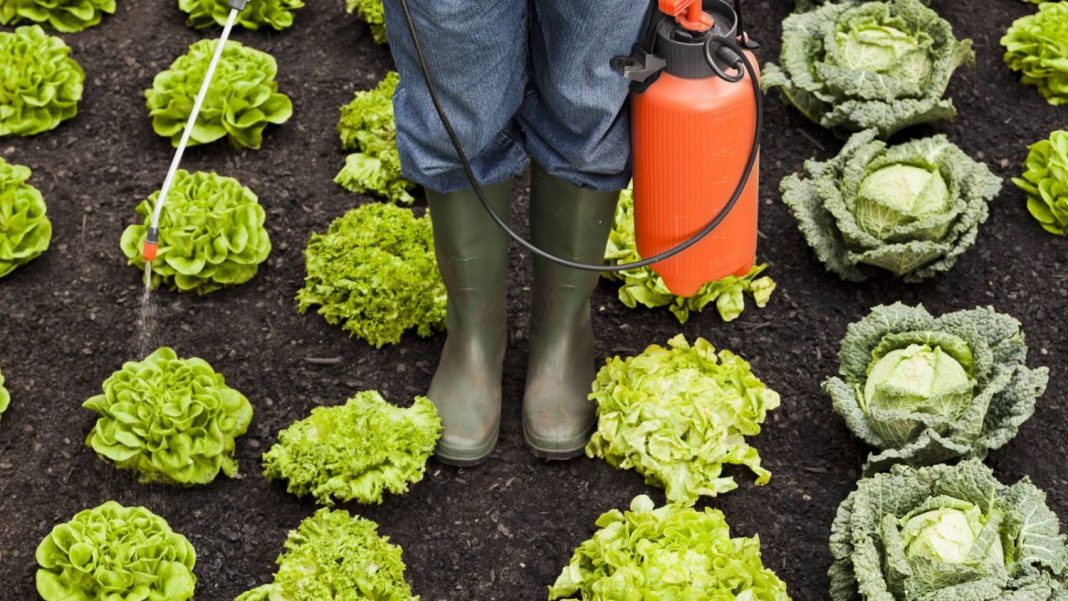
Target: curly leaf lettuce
25,231
926,389
67,16
1045,180
211,234
356,451
678,415
1037,46
5,396
910,209
334,556
42,84
367,125
946,532
854,65
115,553
670,552
243,99
374,273
171,420
373,13
277,14
643,286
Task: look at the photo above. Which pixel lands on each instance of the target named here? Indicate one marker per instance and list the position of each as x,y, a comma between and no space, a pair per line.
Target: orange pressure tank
693,129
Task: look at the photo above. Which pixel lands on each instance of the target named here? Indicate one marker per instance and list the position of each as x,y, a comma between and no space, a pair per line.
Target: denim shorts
518,79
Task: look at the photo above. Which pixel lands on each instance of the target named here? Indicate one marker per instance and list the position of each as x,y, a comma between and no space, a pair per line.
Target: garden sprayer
151,245
695,93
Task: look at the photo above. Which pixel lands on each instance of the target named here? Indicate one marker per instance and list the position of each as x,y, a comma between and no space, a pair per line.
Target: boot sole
558,451
468,457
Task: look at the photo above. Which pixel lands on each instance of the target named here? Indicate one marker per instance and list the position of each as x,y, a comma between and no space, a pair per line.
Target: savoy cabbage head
855,65
334,556
67,16
368,129
115,553
670,552
25,231
926,389
357,451
946,532
277,14
42,84
1045,180
643,286
910,209
1037,46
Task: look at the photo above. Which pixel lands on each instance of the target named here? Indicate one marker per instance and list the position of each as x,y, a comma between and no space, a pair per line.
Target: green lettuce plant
334,556
373,13
242,101
643,286
42,84
5,396
171,420
1045,180
25,231
115,553
854,65
374,273
910,209
356,451
949,532
926,389
678,415
367,126
277,14
211,234
670,552
1037,46
67,16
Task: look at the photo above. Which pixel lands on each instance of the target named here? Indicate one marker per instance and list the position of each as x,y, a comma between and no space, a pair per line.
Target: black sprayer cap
684,51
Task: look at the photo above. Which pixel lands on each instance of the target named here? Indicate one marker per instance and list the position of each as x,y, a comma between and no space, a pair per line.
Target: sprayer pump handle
689,14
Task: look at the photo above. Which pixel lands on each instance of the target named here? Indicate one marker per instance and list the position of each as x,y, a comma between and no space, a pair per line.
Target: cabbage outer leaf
277,14
373,13
334,556
356,451
854,65
42,84
1037,46
677,415
853,228
67,16
1019,552
115,553
25,231
991,348
1045,180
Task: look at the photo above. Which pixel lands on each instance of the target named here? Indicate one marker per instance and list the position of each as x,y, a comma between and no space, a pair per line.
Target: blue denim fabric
518,78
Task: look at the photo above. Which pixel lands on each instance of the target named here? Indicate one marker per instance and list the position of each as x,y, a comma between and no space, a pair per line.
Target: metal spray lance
151,246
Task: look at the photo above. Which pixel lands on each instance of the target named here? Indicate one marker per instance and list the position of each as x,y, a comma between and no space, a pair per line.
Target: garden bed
505,529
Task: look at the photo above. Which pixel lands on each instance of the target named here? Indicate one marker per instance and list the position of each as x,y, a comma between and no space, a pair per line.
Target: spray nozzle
151,246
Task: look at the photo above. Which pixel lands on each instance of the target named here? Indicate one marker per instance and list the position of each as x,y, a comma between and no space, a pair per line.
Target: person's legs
477,56
577,131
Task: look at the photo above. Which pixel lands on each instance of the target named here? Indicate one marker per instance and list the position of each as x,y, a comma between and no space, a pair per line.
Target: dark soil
502,530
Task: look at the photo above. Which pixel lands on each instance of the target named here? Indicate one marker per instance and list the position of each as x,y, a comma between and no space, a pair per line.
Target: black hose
754,152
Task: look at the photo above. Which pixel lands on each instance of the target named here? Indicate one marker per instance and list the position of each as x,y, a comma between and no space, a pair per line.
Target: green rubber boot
572,223
472,254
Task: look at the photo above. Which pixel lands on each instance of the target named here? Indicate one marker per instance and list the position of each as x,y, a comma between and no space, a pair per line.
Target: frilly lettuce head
171,420
211,234
1045,180
671,552
25,230
946,532
242,101
910,209
68,16
5,396
367,126
678,415
855,65
374,273
645,287
277,14
334,556
356,451
373,13
1037,46
925,389
42,84
115,553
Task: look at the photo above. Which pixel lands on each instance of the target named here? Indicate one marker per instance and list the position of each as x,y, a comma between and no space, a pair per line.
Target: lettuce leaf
1037,46
25,230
